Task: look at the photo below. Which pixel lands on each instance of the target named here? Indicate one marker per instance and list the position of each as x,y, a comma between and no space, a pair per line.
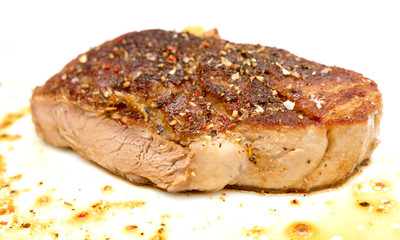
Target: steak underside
184,112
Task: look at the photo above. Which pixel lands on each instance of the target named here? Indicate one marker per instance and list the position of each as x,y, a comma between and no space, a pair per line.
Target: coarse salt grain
258,109
151,56
235,76
326,70
284,70
83,58
192,104
260,78
173,122
318,102
235,114
172,72
226,62
289,104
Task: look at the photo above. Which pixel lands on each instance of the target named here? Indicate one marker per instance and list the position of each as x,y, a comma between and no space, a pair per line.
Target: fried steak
184,112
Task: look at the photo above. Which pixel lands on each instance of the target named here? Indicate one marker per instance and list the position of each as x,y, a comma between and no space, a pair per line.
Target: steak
185,112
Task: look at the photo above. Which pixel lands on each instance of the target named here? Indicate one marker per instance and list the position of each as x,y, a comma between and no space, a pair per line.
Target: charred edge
338,184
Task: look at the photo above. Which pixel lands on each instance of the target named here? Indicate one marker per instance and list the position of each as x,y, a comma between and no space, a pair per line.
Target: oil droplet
7,206
11,118
367,211
161,231
372,187
300,231
295,202
43,201
133,230
82,215
107,189
9,137
131,227
3,164
371,196
98,211
255,233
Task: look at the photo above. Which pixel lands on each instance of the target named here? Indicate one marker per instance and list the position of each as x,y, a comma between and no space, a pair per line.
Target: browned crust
181,85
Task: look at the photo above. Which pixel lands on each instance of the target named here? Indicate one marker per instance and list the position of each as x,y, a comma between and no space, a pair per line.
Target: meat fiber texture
185,112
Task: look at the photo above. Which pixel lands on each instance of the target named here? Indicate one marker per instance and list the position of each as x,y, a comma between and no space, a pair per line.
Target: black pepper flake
160,104
160,129
380,210
294,201
213,133
364,204
252,158
118,84
26,225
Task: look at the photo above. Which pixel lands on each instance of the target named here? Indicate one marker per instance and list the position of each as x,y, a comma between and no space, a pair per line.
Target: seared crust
183,86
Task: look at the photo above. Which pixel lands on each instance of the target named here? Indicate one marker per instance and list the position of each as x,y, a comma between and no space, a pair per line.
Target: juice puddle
370,212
